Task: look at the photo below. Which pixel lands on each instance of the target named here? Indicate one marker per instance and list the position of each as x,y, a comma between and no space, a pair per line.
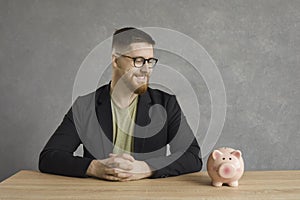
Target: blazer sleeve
57,156
185,151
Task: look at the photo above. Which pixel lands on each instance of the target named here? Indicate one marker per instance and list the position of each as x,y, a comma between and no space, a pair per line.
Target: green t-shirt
123,127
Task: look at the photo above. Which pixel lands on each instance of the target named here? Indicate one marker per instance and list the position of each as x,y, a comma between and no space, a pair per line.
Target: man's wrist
92,168
148,170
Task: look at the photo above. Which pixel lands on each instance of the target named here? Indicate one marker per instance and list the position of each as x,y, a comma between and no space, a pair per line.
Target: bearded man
134,124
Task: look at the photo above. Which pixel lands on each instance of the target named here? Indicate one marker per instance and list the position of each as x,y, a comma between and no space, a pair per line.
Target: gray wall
255,44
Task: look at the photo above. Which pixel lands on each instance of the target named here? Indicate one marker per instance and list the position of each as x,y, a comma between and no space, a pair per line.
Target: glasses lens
152,62
139,62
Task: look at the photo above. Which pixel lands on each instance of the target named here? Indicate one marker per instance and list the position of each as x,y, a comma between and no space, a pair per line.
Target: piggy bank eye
223,158
229,158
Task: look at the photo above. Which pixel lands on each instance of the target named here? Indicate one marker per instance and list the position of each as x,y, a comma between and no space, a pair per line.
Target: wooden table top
253,185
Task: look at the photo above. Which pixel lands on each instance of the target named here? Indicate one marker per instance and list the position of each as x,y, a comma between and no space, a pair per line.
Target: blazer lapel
104,116
142,120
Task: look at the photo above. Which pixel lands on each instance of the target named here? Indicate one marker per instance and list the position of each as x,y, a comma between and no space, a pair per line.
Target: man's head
132,58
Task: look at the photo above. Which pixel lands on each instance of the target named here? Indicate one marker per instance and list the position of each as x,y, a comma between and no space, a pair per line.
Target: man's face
136,79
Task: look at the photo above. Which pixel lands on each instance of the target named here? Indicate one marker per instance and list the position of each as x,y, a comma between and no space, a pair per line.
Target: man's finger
127,157
124,155
118,162
111,171
124,175
117,173
111,178
113,162
126,165
113,155
127,179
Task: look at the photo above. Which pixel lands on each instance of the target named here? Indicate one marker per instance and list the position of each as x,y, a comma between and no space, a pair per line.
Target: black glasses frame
144,60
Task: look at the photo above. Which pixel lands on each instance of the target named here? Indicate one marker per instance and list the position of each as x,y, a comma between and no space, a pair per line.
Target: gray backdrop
255,44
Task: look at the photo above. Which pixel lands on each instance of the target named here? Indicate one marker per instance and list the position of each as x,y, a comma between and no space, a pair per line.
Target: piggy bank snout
227,170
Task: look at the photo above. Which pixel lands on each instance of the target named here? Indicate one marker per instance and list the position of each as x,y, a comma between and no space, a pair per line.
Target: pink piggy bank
225,165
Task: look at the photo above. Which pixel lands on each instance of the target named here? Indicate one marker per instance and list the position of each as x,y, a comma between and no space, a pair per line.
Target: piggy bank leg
234,184
217,184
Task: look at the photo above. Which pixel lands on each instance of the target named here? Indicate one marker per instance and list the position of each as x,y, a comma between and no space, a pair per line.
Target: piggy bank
225,165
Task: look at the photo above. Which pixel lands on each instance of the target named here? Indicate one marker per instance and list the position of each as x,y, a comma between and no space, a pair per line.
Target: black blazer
159,121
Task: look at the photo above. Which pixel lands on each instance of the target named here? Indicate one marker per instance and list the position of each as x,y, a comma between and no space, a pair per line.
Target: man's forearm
63,163
175,164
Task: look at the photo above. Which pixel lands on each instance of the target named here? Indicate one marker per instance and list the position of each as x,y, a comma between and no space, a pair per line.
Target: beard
142,89
135,88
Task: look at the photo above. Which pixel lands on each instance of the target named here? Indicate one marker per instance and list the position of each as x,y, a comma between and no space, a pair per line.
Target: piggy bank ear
237,153
216,154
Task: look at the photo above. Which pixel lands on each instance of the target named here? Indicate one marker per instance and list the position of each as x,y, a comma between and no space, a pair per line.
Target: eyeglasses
139,62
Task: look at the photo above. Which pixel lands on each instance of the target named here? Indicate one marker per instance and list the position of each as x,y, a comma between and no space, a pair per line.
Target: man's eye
139,59
152,61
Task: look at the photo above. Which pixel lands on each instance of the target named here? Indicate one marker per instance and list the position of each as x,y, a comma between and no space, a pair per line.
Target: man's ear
114,61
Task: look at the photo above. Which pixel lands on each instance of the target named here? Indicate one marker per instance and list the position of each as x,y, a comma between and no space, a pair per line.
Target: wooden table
253,185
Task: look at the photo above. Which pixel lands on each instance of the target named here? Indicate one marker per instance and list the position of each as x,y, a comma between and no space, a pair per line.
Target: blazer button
164,176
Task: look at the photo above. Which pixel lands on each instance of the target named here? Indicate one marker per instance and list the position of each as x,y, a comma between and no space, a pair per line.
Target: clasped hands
121,167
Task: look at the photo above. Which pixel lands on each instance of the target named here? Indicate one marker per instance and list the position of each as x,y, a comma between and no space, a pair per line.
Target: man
133,124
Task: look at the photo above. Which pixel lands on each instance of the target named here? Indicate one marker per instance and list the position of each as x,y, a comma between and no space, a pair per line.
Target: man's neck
121,95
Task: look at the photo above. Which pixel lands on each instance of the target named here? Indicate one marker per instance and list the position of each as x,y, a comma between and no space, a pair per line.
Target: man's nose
145,68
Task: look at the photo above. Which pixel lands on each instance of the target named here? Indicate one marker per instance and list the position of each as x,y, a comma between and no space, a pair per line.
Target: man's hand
119,168
139,170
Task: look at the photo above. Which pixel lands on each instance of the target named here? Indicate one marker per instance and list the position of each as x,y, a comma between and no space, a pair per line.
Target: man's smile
140,78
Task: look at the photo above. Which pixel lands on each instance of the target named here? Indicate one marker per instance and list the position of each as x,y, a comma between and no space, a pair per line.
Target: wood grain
253,185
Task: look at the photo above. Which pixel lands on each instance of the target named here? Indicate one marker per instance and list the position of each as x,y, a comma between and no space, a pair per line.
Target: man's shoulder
92,96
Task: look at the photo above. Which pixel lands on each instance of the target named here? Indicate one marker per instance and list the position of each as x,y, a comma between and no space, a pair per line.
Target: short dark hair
125,36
